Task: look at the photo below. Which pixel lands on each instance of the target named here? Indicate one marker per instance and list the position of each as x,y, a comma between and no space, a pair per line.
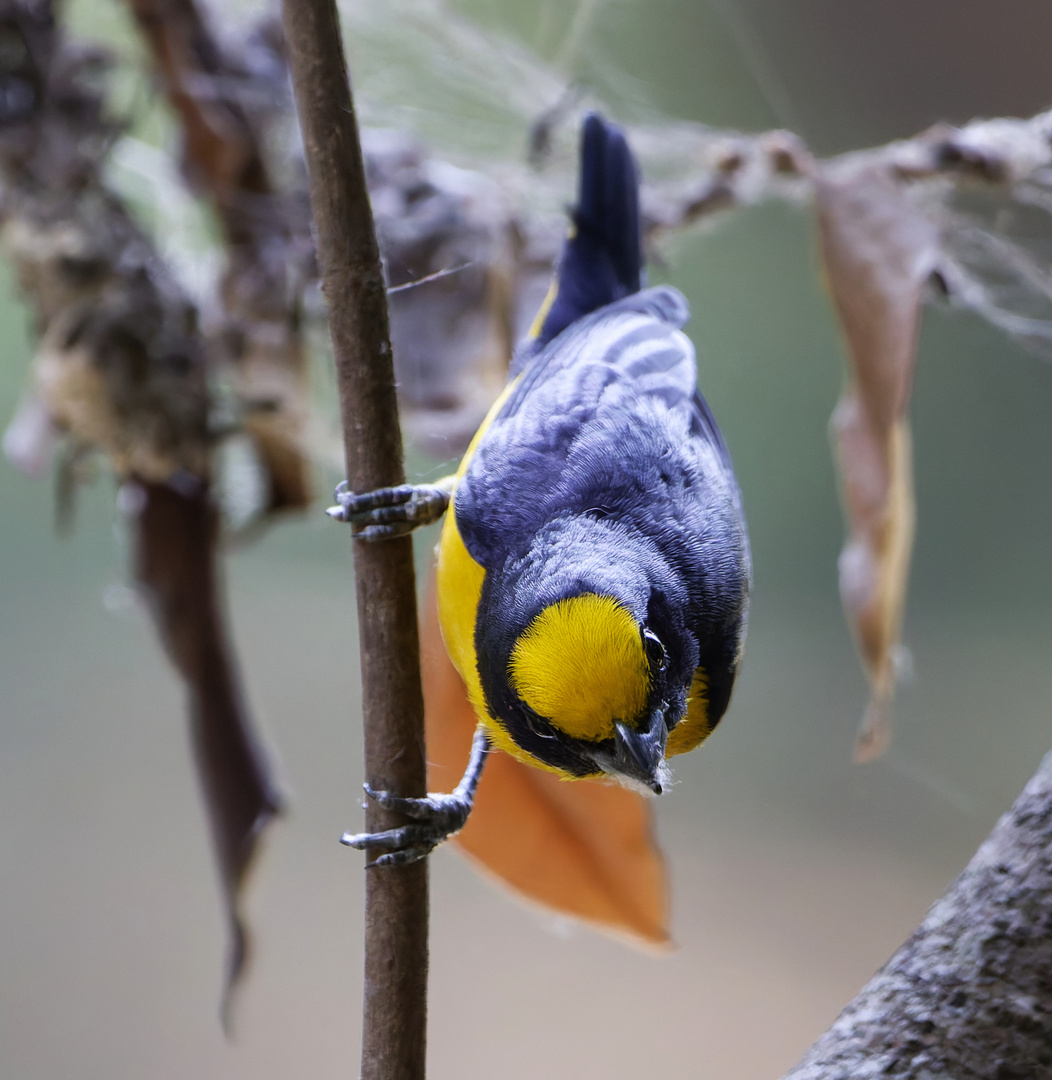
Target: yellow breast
581,664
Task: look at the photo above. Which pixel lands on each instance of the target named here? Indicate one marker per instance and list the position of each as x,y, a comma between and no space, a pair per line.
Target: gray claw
426,809
401,858
403,845
438,816
372,533
389,512
391,839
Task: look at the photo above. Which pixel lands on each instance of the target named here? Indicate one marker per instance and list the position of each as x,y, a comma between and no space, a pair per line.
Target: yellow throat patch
581,664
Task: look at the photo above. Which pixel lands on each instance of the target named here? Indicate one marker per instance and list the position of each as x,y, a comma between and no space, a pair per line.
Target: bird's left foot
439,817
393,511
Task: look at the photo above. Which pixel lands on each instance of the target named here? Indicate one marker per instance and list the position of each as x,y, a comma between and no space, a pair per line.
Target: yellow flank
693,729
581,664
553,291
459,587
546,305
459,582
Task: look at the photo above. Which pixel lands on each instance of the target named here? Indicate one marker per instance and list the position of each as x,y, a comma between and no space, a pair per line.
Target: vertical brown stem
394,1022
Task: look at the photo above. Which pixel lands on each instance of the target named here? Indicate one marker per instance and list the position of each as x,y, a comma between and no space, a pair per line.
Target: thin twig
394,1020
428,278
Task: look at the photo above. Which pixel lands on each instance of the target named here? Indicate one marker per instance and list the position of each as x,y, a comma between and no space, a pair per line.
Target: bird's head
593,673
590,684
584,654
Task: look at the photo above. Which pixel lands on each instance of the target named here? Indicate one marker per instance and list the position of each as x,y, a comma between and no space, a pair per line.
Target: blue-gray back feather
606,419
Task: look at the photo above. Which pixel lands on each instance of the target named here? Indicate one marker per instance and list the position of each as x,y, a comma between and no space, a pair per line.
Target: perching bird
593,572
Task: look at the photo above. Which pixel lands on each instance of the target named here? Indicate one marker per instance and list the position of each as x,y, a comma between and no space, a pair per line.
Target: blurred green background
795,873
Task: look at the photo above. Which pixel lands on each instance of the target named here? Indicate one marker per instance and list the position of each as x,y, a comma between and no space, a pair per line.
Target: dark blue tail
602,258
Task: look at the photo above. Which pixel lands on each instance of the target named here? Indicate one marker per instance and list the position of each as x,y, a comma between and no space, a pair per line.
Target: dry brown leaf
583,848
176,566
879,251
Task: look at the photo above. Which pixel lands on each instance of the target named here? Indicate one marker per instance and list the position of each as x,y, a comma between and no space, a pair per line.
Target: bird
593,571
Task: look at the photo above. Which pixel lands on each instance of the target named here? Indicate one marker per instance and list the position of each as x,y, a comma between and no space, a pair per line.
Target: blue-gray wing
606,420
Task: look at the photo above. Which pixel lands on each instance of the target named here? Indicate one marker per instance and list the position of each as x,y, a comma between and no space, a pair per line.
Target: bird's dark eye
656,655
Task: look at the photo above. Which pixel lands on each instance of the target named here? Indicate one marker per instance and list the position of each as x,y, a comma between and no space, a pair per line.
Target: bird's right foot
390,512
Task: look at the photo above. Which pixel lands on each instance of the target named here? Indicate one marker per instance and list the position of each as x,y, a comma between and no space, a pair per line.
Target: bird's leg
393,511
438,816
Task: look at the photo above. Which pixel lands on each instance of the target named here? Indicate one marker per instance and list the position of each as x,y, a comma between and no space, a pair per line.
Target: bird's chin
658,785
636,758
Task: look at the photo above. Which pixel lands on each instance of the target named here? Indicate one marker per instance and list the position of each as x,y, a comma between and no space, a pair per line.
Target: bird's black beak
639,753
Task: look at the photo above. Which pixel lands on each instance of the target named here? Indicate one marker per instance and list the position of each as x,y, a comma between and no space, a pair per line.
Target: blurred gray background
795,873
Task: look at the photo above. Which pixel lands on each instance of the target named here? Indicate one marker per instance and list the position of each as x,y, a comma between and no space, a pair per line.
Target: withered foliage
956,215
879,252
452,336
127,365
891,225
226,106
123,368
120,365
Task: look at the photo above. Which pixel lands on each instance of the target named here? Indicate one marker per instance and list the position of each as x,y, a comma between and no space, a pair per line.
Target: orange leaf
879,251
583,848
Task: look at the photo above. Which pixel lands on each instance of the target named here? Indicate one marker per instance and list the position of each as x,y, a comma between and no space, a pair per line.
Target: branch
394,1031
733,170
970,993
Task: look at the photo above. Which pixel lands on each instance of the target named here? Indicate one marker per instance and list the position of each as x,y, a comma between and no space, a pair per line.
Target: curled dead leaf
177,569
874,561
879,250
